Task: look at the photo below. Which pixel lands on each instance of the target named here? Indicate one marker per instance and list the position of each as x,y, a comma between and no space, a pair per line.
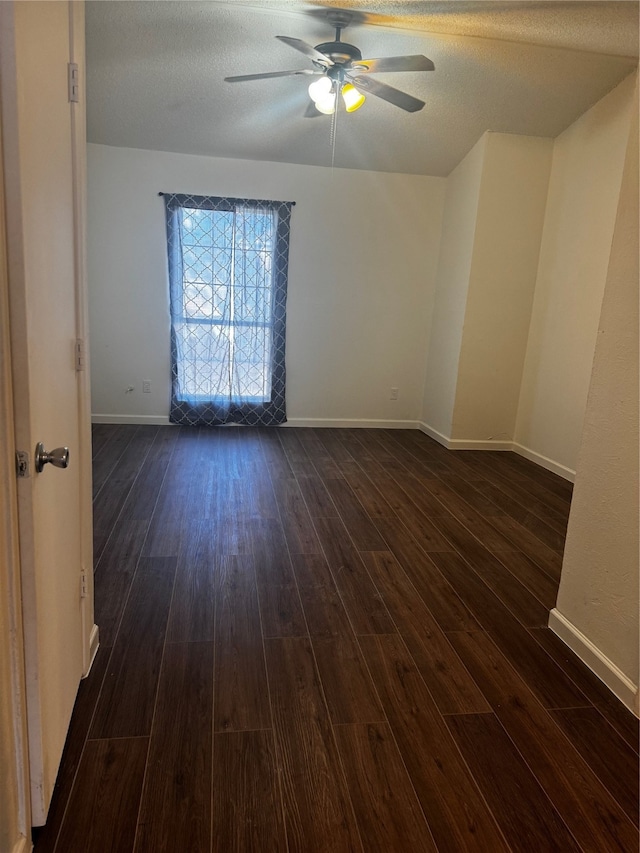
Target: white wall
597,609
492,226
513,194
452,285
583,194
363,256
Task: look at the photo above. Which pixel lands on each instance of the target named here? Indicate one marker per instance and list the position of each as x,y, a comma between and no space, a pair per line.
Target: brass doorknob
59,457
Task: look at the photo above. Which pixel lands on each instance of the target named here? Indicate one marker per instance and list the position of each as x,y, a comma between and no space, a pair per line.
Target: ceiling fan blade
242,77
307,49
387,93
311,111
395,63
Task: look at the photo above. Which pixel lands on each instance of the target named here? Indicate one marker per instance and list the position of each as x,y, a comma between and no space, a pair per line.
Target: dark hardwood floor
333,640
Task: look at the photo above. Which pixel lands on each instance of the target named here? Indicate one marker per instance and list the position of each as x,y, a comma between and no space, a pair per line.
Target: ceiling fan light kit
341,69
327,104
353,99
324,92
320,88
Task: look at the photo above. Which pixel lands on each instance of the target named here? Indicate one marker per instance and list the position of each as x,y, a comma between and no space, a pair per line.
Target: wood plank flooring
333,640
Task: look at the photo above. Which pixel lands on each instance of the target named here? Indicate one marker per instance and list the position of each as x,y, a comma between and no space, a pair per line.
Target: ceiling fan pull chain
334,127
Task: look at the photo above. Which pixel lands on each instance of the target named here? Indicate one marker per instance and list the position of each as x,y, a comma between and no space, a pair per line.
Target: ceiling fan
340,69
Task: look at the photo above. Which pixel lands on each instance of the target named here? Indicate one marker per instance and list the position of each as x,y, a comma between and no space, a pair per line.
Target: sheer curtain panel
228,262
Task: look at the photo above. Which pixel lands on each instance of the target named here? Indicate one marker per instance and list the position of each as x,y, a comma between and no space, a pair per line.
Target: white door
43,147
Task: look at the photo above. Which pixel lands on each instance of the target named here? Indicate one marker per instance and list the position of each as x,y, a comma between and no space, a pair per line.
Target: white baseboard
434,434
471,444
462,443
544,462
349,423
94,644
598,663
160,420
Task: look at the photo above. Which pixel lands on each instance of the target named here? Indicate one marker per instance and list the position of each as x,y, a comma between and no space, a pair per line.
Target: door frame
19,822
79,159
15,395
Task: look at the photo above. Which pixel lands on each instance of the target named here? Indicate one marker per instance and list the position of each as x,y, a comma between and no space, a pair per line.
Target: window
228,279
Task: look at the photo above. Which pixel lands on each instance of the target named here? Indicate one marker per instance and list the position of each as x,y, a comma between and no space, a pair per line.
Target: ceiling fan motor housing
339,51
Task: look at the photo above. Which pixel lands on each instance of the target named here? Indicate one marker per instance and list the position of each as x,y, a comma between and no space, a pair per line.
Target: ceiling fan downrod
340,52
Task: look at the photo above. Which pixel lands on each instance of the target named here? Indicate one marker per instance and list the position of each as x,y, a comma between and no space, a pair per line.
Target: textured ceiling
155,76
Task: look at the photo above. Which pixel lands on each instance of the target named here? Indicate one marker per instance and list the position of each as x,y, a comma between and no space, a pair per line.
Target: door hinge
80,354
73,78
23,467
83,584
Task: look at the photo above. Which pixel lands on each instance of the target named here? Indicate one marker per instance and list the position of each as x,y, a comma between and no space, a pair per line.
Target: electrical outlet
394,394
146,386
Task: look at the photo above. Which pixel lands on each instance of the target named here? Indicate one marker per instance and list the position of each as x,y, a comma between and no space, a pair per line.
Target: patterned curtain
228,262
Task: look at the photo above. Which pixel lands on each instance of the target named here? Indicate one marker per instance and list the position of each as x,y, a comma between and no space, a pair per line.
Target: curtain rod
293,203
